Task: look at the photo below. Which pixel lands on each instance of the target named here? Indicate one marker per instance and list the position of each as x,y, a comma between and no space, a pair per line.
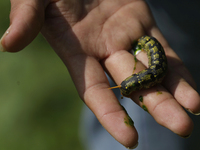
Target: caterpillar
156,71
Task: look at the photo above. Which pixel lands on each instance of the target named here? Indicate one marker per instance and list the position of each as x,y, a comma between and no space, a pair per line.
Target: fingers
173,59
156,100
165,110
92,86
178,87
178,80
26,20
183,92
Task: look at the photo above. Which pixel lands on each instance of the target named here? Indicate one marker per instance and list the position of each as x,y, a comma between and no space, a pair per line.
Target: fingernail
193,112
133,146
197,114
185,137
2,49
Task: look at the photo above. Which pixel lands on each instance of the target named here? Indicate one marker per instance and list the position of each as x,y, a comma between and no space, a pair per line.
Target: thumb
26,20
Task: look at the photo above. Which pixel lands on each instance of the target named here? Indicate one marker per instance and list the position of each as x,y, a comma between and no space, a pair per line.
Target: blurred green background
39,106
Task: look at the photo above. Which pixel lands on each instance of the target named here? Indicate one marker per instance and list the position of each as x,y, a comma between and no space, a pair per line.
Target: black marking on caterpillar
150,76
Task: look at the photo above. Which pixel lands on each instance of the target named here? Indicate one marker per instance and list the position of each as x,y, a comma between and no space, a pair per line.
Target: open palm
94,36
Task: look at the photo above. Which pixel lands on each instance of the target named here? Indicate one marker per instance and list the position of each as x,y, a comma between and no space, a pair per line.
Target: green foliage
39,105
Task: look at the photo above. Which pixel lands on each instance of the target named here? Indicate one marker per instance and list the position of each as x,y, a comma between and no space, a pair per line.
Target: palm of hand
100,29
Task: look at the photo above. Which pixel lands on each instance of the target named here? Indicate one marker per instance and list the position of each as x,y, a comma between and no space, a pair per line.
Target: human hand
93,36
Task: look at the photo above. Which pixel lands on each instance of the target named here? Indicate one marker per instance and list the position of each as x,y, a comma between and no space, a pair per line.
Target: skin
91,36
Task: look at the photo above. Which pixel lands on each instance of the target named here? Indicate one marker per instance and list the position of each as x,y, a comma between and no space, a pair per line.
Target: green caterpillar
150,76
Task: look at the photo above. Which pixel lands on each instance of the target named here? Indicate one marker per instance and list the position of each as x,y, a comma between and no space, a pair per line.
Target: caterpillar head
127,88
